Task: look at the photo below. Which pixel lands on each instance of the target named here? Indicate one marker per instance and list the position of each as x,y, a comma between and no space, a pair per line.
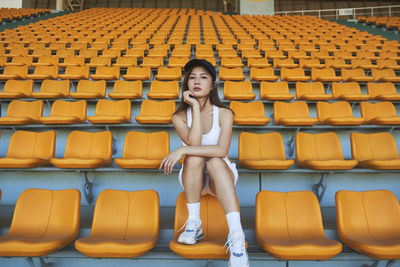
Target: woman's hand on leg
170,160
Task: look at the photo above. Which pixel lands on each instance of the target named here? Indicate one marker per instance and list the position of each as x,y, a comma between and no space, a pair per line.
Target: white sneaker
237,248
193,231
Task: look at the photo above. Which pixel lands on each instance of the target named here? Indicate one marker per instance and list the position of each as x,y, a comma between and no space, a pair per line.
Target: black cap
203,63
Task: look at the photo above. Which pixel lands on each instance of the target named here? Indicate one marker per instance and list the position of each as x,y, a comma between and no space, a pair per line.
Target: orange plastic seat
228,53
263,74
167,74
126,89
324,75
387,64
381,113
116,230
311,91
72,61
383,91
20,61
264,151
106,73
135,52
321,152
29,150
385,75
289,226
311,63
109,111
348,91
238,90
22,112
43,222
337,113
62,53
285,63
144,150
295,113
253,53
177,62
66,112
159,112
86,150
274,54
337,63
251,113
363,64
355,75
89,89
125,62
75,73
375,151
14,72
44,72
111,53
164,90
152,62
369,221
258,63
234,62
233,74
294,75
88,53
99,62
215,230
275,91
134,73
53,89
17,89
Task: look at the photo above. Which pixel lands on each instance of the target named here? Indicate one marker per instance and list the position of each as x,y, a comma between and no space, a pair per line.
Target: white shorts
206,189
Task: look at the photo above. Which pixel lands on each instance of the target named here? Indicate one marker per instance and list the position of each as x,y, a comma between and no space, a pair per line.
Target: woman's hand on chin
189,99
170,160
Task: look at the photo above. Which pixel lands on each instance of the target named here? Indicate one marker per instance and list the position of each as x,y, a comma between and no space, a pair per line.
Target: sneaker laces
191,225
235,245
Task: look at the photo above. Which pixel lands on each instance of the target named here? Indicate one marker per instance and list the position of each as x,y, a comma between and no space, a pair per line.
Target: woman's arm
217,151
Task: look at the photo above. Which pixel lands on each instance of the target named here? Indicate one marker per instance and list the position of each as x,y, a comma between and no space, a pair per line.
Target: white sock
234,223
194,209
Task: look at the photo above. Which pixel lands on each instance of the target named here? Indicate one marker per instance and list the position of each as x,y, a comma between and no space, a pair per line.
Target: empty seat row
287,225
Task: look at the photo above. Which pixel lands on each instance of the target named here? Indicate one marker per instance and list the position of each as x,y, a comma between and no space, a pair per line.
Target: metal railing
388,11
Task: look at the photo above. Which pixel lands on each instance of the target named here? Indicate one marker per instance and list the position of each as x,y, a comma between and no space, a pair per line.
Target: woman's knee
214,164
194,162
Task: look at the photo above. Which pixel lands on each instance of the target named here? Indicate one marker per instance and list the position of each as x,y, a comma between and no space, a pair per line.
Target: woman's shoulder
225,114
181,115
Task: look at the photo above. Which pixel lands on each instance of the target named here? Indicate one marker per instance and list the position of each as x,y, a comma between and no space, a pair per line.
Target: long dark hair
213,96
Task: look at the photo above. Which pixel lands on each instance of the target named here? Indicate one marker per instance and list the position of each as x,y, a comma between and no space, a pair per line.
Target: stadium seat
88,53
337,113
387,64
258,63
376,151
383,91
231,74
369,221
66,112
111,53
106,73
89,89
264,151
53,89
324,75
20,61
253,53
295,113
14,72
29,150
363,64
215,230
135,53
159,112
285,63
294,75
235,62
125,62
289,226
126,89
44,72
275,91
22,112
274,54
238,90
263,74
231,53
168,74
355,75
152,62
385,75
125,225
311,91
86,150
311,63
321,152
17,89
99,62
348,91
72,61
177,62
336,63
110,111
381,113
251,113
144,150
43,222
134,73
164,90
75,73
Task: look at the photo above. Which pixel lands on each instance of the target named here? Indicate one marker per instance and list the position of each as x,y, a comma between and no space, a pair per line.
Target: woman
204,125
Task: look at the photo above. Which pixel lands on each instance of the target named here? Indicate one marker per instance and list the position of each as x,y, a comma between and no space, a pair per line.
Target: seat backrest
327,110
77,70
263,146
353,72
367,215
309,88
375,89
140,145
157,108
121,86
274,88
298,109
126,215
25,144
238,87
89,145
19,86
20,70
114,108
55,86
286,72
91,86
69,108
30,109
380,109
164,86
291,216
377,146
212,217
248,110
345,88
40,213
323,146
42,70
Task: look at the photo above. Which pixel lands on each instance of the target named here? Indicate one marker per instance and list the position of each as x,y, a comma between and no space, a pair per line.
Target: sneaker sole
191,242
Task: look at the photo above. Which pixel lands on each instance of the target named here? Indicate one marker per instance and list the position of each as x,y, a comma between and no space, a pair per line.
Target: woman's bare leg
193,178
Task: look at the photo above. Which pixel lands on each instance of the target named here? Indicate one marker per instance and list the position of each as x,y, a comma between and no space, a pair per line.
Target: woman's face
200,82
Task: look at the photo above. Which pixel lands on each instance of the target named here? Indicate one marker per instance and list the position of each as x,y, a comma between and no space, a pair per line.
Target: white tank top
210,138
